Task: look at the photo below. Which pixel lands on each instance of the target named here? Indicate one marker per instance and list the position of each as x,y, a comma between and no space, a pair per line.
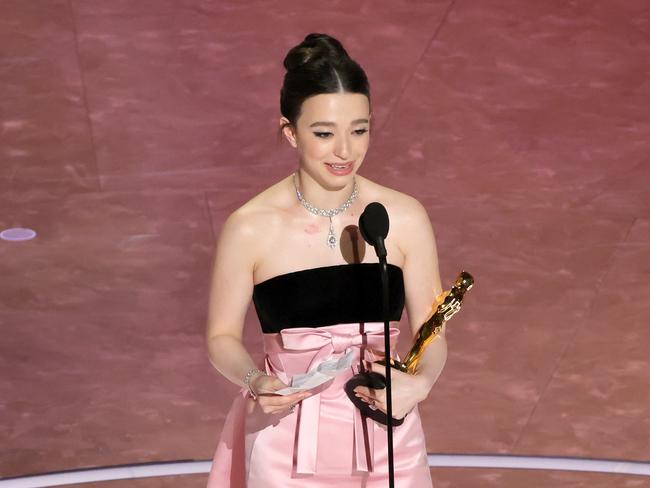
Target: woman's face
332,136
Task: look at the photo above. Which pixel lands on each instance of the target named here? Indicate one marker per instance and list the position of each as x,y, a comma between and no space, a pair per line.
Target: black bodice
328,295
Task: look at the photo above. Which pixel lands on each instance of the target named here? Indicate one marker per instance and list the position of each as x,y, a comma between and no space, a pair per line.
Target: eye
360,132
323,135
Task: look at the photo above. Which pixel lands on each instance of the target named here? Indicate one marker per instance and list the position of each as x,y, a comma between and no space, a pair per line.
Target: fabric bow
327,342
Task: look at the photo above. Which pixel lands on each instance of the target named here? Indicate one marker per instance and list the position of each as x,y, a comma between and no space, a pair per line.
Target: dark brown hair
319,64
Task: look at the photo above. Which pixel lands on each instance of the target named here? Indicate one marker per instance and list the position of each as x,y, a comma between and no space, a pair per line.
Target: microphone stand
374,224
389,398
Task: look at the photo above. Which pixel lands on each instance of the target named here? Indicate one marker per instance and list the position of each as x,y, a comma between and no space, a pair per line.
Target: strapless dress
309,316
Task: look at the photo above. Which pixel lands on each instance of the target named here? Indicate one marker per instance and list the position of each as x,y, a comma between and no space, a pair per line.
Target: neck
320,196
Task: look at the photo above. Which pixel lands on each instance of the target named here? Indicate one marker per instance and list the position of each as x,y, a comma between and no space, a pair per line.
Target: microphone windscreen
373,223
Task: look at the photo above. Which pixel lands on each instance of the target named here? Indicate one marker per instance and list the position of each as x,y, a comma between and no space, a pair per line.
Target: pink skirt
325,442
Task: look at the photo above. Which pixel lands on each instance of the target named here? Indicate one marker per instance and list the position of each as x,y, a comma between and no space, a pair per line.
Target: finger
378,368
283,407
374,403
362,390
293,397
275,384
381,406
370,393
268,384
297,397
378,396
288,407
278,383
275,401
363,396
283,401
272,408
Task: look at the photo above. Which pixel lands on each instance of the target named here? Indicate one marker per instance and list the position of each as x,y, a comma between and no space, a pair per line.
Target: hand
407,391
265,387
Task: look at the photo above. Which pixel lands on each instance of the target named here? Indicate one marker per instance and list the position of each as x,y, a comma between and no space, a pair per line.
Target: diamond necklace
331,238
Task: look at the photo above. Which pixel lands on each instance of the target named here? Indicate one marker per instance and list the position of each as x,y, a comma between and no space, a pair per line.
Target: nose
342,148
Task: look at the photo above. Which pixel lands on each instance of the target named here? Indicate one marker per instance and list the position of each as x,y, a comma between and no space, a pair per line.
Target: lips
340,166
340,169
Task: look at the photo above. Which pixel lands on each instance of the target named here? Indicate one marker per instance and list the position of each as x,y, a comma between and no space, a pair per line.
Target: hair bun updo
313,48
319,64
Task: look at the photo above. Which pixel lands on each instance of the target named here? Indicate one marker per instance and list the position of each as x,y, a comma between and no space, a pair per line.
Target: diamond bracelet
247,380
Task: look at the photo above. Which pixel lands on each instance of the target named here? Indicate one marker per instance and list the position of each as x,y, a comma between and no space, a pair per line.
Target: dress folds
325,442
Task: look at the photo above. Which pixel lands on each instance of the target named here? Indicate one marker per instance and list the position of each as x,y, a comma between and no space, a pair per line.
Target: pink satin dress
326,442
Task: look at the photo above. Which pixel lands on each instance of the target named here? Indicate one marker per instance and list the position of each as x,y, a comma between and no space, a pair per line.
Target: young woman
296,251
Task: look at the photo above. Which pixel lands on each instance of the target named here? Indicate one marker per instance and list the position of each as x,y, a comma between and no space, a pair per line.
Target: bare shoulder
406,213
261,216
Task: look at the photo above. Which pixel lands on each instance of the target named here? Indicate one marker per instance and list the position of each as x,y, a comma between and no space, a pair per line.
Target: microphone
373,225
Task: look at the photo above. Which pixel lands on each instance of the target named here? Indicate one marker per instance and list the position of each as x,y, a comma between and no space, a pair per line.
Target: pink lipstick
340,169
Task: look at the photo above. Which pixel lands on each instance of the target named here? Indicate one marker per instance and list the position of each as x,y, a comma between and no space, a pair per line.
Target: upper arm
231,286
421,273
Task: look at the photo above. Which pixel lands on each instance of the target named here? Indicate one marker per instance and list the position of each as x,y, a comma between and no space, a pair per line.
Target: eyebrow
332,124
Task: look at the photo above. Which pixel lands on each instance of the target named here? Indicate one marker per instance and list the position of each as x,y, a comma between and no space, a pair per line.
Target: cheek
316,149
362,145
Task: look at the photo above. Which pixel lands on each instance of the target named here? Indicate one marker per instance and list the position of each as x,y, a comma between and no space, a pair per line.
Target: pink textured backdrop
131,129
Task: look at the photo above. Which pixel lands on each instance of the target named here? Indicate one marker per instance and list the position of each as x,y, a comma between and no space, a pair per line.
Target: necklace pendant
332,241
331,238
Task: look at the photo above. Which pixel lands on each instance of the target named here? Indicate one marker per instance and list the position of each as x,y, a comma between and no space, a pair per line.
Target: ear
289,131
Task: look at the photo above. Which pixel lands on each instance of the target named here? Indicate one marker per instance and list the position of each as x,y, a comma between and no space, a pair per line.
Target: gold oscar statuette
447,305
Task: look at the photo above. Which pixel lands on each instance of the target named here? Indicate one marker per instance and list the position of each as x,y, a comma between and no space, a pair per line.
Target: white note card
322,373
